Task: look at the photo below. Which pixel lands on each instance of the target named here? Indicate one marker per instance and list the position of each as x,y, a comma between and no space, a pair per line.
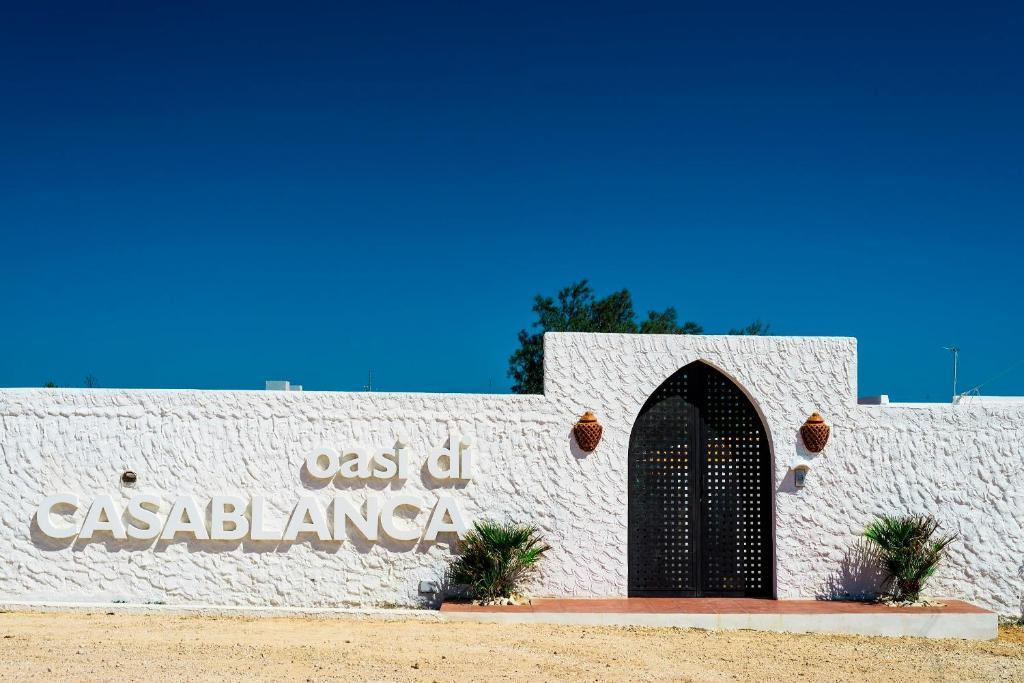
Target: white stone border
377,613
960,625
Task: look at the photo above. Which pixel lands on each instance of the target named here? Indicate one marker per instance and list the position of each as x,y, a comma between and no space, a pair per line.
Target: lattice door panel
699,491
662,532
736,548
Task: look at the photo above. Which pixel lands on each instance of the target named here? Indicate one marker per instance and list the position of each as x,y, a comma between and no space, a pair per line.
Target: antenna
955,350
976,390
369,381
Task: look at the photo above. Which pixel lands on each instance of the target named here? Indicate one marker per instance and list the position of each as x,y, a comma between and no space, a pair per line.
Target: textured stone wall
962,463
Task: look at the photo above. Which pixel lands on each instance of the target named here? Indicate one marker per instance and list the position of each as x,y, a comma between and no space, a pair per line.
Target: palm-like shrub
908,550
497,559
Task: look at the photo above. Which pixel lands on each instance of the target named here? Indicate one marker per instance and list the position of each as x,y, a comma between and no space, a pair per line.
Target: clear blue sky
213,195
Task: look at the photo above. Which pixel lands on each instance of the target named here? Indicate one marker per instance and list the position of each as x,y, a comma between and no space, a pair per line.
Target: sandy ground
108,647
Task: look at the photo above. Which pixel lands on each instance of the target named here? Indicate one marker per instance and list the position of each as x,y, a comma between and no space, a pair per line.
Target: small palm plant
497,559
908,550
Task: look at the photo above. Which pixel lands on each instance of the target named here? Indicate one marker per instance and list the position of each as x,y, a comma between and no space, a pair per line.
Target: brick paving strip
712,606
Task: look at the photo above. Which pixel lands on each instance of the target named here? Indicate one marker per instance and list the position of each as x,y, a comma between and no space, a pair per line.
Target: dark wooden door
700,500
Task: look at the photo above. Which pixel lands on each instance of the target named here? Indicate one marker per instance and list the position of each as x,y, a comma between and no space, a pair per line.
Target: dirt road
100,646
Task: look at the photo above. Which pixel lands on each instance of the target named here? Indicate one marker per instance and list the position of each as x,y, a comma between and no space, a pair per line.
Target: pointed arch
700,490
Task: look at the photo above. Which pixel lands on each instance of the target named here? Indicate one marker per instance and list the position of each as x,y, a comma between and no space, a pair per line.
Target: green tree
578,310
755,328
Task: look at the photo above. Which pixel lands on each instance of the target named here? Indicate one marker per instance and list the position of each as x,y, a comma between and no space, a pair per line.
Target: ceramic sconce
588,432
814,433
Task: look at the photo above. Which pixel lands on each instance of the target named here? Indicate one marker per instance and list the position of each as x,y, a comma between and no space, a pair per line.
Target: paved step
954,619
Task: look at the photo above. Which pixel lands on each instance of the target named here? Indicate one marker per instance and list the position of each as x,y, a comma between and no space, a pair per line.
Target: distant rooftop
282,385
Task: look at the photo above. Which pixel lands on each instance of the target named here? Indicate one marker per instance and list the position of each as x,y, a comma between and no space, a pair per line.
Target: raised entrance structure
700,491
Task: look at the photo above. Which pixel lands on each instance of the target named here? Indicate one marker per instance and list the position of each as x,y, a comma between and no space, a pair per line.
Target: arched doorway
700,491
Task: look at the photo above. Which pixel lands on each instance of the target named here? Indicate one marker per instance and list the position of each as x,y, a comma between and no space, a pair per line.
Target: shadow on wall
44,542
575,449
788,483
1020,573
803,457
858,576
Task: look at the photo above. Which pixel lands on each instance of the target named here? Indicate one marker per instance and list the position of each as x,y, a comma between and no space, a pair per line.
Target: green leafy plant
909,550
497,559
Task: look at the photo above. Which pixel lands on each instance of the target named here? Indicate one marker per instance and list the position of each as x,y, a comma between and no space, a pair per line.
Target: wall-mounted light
800,475
129,478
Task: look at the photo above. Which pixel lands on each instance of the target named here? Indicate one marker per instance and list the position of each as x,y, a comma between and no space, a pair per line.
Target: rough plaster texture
961,463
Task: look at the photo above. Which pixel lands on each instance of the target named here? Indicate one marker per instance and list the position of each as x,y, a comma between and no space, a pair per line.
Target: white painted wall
962,463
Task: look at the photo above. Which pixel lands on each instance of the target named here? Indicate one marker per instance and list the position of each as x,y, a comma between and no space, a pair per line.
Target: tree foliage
755,328
576,309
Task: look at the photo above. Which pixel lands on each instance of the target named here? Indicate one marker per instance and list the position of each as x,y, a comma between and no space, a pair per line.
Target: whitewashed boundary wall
962,463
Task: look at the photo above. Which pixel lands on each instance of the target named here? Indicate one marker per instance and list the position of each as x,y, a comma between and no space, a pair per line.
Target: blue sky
211,196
